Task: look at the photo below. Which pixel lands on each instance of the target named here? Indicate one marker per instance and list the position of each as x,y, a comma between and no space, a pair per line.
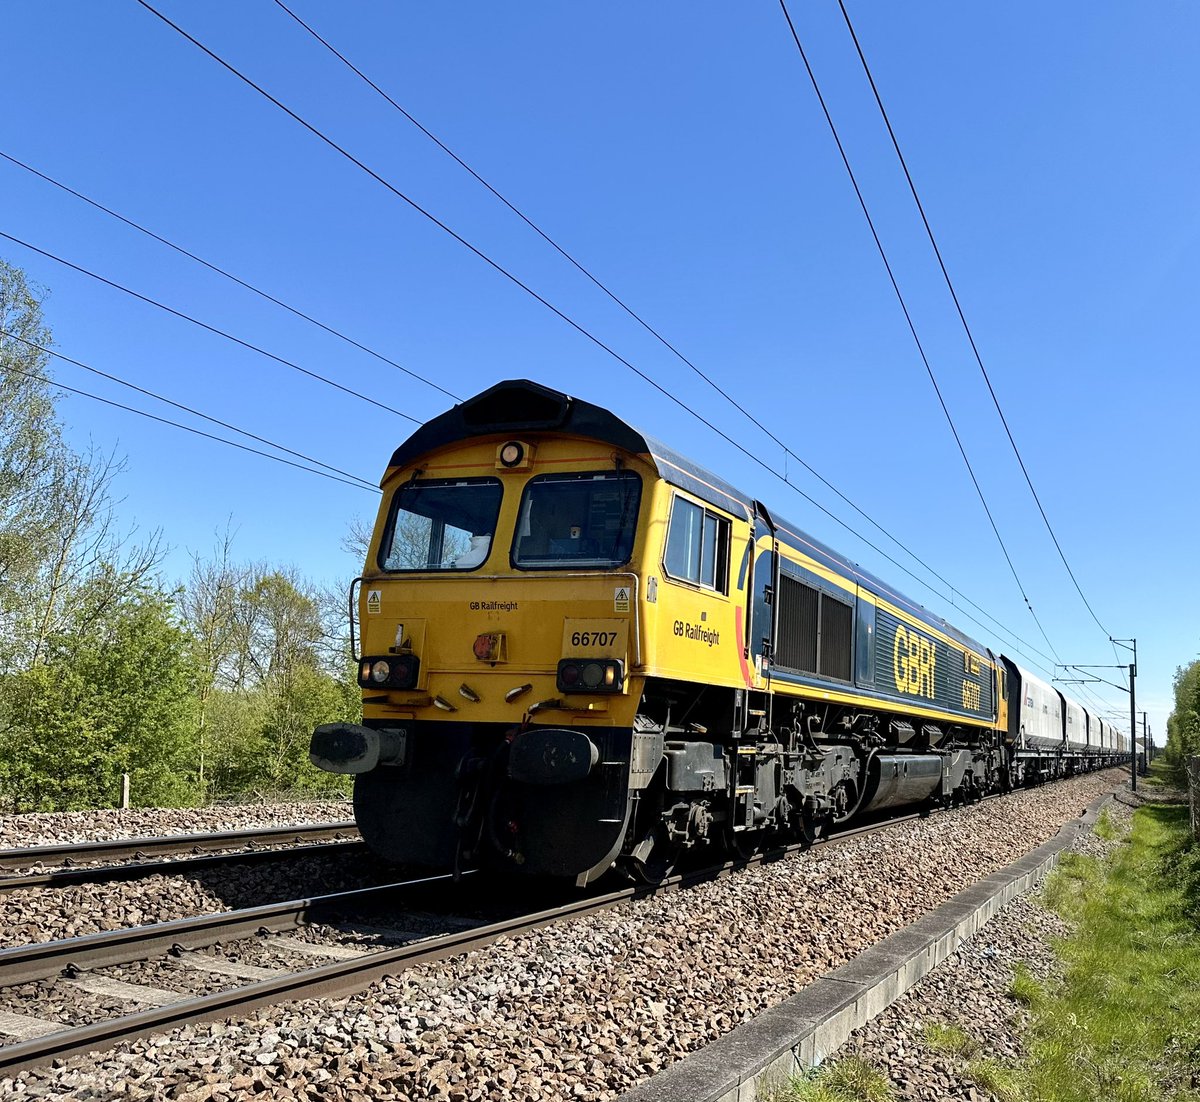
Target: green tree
234,720
71,583
212,690
114,693
274,659
1183,725
210,608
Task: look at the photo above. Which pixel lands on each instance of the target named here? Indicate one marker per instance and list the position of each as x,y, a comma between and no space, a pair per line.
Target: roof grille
516,405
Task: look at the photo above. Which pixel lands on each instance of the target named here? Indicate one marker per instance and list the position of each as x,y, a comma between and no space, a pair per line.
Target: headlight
599,674
398,671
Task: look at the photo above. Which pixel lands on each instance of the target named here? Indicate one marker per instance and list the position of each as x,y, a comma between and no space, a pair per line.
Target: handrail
353,609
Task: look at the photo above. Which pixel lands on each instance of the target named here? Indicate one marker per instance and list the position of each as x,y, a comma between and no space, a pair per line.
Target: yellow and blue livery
580,650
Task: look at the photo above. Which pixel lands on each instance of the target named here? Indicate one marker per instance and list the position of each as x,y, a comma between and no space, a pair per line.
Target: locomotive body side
580,649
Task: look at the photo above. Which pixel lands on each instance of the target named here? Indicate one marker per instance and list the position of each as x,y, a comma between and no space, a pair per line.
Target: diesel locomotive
581,651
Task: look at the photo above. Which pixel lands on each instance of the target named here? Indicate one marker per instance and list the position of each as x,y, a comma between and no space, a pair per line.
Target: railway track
89,862
79,964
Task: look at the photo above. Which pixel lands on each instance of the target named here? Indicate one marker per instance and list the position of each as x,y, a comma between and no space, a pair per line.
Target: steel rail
119,848
334,980
182,866
338,979
24,963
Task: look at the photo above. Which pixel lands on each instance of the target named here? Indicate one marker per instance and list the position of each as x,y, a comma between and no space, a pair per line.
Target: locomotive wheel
812,825
741,845
653,859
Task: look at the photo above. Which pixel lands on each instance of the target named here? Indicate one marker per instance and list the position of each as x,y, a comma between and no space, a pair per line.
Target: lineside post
1133,718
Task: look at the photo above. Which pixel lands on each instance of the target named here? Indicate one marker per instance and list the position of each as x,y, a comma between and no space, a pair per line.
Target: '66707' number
593,638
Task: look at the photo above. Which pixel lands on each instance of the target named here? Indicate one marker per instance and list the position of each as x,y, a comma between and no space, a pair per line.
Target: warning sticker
374,602
621,599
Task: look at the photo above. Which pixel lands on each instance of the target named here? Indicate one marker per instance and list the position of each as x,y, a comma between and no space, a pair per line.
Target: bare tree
357,540
62,556
209,604
88,559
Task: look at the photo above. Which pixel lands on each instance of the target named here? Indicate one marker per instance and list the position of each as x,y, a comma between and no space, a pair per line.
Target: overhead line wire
210,328
912,187
908,318
185,408
625,306
150,233
228,275
538,297
417,207
215,268
187,428
561,250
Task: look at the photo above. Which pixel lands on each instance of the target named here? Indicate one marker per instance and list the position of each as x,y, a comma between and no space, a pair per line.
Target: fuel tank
896,779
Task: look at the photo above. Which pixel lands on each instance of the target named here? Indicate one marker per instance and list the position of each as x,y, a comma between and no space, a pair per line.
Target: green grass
1104,827
1024,988
949,1039
1165,774
1073,879
848,1080
1003,1083
1124,1025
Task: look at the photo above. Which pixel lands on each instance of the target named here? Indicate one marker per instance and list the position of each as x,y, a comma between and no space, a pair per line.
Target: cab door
763,608
1001,696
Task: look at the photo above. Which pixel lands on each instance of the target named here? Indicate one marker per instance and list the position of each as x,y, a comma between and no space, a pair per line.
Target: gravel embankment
589,1008
969,992
60,827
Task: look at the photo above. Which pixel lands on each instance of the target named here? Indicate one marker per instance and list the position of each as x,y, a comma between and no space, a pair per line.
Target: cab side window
697,546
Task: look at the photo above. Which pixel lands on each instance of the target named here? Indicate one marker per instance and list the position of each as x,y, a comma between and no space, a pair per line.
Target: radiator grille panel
796,647
837,627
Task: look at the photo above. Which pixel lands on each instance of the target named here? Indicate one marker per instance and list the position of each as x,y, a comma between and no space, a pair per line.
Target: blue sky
679,152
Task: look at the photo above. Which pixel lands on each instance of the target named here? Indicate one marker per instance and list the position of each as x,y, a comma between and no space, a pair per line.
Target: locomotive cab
501,640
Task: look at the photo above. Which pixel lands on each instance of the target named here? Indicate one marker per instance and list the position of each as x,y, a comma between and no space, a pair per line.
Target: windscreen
441,525
577,520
